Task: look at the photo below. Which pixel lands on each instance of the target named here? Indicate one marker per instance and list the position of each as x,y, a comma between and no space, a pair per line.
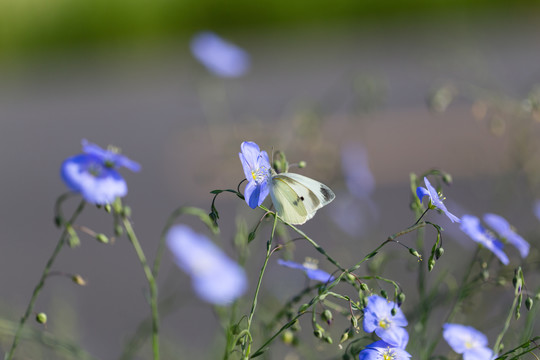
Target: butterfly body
297,197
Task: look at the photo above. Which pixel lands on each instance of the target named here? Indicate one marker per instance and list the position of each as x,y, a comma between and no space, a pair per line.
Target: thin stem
257,289
506,325
151,282
41,283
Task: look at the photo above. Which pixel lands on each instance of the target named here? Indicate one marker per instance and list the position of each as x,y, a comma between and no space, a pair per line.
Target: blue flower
380,350
310,268
435,200
215,277
219,56
505,231
257,170
378,317
468,341
471,226
93,174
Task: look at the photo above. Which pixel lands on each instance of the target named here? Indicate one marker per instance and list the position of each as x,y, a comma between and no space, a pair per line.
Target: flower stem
257,289
41,283
506,325
151,282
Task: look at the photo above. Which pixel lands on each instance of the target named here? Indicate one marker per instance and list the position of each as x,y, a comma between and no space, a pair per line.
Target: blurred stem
506,323
46,271
151,282
201,214
257,289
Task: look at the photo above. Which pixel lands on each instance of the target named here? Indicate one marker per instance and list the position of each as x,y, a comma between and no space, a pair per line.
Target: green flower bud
344,337
118,230
327,316
126,211
439,252
393,311
328,339
41,318
400,299
415,253
364,287
447,179
318,333
287,337
302,164
384,294
58,221
78,279
431,264
102,238
108,208
529,303
303,308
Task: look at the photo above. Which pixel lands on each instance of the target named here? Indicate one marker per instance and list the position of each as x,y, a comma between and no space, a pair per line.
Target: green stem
257,289
506,325
41,282
170,222
151,282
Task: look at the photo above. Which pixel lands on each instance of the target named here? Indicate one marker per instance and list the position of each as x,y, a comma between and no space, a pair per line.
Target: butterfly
297,197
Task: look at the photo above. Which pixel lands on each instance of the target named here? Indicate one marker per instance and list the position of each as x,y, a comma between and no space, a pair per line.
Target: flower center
388,354
260,175
384,323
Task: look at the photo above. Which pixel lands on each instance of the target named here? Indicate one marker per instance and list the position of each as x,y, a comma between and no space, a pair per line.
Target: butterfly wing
297,197
287,202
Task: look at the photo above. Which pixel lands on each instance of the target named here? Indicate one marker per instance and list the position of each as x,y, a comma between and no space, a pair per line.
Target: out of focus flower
506,233
435,200
220,57
256,167
310,268
468,341
215,277
471,226
380,350
358,177
536,209
378,317
93,174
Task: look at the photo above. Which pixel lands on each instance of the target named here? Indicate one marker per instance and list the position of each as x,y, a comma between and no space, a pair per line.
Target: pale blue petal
421,192
107,156
255,194
215,277
358,177
471,226
219,56
313,274
380,350
395,336
436,200
480,353
505,231
462,338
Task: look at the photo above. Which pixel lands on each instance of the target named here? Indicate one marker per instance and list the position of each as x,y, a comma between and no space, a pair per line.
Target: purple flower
536,209
505,231
380,350
311,270
257,171
93,174
215,277
471,226
468,341
435,200
378,317
219,56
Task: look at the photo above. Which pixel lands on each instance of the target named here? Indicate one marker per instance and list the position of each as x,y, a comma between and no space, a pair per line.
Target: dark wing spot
298,199
326,193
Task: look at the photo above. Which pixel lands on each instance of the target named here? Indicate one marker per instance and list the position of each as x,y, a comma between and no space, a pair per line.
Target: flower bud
529,303
318,333
126,211
303,308
118,230
431,264
393,311
344,336
400,299
439,252
384,294
78,279
108,208
415,253
328,339
327,316
302,164
41,318
447,179
58,221
102,238
287,337
364,287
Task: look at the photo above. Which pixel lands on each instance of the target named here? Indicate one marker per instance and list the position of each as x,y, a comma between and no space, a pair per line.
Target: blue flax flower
471,226
215,277
219,56
310,268
435,200
257,170
468,341
93,174
358,177
505,231
380,350
378,317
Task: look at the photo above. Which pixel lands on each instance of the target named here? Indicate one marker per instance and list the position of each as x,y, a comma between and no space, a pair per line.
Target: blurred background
376,89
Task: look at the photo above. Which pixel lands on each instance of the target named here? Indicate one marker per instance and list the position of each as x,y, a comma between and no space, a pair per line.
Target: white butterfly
297,198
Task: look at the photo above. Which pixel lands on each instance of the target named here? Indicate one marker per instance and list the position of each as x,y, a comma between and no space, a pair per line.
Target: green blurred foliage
28,27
